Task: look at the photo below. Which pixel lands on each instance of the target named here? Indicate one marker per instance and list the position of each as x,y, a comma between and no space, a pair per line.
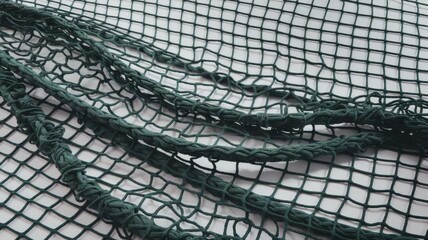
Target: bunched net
206,119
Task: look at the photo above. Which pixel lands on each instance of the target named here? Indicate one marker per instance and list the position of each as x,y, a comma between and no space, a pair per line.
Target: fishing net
209,119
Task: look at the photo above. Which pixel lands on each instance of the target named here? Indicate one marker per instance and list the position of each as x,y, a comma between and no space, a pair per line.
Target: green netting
213,119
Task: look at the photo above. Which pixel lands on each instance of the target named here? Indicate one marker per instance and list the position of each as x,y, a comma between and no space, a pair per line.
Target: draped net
206,119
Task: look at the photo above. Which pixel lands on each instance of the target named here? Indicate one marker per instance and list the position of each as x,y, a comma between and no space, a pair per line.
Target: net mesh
213,119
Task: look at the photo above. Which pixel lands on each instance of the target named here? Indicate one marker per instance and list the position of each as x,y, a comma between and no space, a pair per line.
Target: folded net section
260,59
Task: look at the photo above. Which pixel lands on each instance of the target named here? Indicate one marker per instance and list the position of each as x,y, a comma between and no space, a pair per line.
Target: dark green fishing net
213,119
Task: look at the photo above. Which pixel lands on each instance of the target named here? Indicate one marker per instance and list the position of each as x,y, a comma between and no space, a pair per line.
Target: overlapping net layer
213,119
